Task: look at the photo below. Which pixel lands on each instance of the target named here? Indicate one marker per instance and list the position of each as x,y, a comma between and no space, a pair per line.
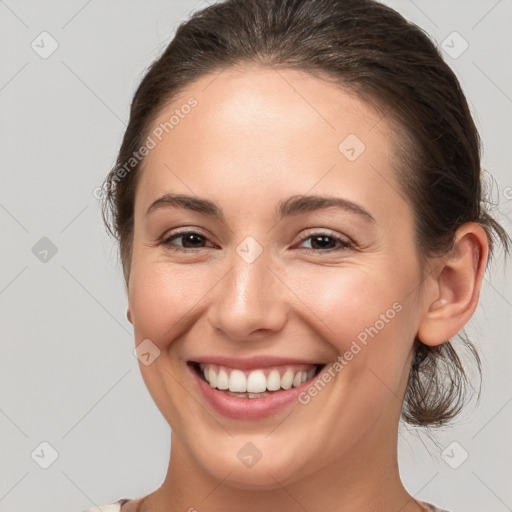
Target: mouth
256,383
252,393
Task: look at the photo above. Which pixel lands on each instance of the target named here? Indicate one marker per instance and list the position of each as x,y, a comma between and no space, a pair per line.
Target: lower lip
248,408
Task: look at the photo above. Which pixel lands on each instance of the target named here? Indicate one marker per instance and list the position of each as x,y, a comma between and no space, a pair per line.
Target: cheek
349,301
164,301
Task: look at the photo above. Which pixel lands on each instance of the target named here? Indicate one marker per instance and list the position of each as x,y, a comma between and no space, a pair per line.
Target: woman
298,205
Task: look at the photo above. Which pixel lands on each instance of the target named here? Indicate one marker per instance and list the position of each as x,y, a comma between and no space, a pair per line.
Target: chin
267,473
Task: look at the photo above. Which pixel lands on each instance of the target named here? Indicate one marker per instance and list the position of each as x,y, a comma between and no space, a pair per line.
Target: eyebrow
294,205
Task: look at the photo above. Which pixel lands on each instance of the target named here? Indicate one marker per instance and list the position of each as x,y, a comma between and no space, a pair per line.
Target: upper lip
248,363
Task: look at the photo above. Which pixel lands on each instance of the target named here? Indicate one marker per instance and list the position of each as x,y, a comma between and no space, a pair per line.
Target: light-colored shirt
116,507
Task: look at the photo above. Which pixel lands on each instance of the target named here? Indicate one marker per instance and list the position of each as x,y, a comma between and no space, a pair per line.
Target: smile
253,392
256,383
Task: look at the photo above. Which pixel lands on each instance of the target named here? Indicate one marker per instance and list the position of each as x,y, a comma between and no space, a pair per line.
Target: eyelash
344,244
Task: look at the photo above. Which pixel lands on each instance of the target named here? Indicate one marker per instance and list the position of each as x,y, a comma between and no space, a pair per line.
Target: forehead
259,100
268,133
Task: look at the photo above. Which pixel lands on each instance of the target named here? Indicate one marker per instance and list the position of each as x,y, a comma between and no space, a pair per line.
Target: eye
190,240
319,242
326,242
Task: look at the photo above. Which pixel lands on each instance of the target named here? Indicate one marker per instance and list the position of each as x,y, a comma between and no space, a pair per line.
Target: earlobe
129,315
456,287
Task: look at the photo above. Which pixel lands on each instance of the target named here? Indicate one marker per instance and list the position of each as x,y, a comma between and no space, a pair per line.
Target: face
305,310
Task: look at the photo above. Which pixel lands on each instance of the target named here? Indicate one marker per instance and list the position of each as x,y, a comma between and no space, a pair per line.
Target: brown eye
322,242
186,240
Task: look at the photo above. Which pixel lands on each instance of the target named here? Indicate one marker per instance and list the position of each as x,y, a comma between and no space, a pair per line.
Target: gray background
67,371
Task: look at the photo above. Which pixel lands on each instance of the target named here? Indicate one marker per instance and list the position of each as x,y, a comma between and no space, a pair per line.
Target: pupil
190,238
325,241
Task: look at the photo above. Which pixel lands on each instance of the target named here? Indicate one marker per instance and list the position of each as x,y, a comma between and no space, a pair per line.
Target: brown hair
391,63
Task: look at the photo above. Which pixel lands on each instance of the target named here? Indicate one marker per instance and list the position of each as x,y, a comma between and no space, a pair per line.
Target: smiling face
248,274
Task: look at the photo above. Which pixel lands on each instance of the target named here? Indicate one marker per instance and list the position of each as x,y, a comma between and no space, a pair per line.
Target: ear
129,315
452,291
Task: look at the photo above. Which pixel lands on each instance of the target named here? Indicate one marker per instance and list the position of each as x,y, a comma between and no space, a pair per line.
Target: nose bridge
250,297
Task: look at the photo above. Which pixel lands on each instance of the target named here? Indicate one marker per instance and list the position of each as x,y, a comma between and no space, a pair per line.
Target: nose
250,301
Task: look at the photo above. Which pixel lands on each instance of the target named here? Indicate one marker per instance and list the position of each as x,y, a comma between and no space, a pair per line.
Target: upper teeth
256,381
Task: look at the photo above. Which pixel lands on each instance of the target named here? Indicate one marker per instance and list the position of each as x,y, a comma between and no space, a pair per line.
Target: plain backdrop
68,376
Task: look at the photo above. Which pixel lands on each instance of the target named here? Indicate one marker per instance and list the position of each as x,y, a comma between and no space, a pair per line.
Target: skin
258,136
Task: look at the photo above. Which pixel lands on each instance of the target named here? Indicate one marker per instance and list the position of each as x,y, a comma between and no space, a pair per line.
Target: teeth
212,378
274,380
287,380
248,395
222,379
256,383
257,395
237,381
297,380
